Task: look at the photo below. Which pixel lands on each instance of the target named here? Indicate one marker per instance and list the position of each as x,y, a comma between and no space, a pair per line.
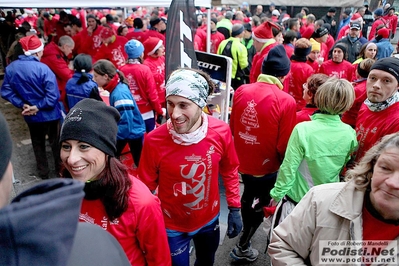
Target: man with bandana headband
183,159
379,114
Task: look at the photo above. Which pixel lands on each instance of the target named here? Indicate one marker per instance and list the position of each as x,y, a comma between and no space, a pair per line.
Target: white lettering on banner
350,252
185,60
208,65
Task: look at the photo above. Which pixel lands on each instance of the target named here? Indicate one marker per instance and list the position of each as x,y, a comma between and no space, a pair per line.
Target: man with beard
183,159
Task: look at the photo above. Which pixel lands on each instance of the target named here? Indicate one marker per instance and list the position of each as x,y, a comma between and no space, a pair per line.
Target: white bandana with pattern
188,84
377,107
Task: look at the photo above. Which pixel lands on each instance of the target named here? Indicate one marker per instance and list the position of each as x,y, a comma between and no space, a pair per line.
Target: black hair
289,36
83,64
76,22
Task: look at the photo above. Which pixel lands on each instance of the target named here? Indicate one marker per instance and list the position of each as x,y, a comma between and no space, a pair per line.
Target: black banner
180,32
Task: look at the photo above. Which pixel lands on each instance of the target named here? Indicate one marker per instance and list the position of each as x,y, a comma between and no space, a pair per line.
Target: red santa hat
31,44
356,18
151,45
264,32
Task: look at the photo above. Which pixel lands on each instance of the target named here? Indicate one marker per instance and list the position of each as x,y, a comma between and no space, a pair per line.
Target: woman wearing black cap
337,66
114,200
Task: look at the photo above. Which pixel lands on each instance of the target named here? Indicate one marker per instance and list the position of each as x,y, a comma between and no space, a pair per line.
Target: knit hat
86,122
134,49
340,46
214,20
315,45
151,45
320,32
347,11
237,30
154,21
378,12
332,10
106,32
188,84
31,44
276,63
383,32
388,64
5,146
302,52
264,32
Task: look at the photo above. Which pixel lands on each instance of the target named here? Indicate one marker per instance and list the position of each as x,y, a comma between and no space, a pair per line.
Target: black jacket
40,227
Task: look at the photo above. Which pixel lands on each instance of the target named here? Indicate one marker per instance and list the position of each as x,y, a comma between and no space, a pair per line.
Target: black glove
234,222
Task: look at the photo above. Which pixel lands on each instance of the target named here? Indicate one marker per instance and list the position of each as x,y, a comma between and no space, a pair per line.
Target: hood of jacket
39,226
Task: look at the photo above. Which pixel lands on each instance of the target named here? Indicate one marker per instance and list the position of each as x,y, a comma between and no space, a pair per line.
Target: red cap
384,33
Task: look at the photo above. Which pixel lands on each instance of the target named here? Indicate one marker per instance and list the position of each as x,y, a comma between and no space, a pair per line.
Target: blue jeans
206,242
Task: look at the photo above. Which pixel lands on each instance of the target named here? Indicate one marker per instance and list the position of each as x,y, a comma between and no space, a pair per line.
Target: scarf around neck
377,107
112,83
189,138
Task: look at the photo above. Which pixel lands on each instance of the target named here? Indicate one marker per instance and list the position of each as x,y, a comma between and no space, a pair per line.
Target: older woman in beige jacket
346,221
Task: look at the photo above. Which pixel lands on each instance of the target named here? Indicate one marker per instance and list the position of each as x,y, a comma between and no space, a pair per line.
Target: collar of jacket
326,117
268,43
270,79
349,193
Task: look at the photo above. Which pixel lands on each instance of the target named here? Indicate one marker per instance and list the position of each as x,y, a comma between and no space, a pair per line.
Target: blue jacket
385,48
28,81
76,92
131,125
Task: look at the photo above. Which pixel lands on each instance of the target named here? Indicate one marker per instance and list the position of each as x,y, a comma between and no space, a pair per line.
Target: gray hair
66,40
363,171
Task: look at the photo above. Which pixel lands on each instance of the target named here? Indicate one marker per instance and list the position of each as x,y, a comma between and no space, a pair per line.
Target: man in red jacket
183,159
262,119
263,42
56,58
379,114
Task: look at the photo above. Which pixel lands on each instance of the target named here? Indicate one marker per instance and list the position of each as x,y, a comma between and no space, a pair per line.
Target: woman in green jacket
317,150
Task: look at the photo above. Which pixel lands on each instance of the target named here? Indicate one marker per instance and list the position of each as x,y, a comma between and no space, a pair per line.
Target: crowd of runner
312,97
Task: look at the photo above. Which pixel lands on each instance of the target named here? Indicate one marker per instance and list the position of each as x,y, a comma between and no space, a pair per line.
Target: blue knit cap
134,49
378,12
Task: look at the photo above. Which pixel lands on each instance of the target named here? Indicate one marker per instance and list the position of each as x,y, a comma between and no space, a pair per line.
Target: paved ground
26,176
